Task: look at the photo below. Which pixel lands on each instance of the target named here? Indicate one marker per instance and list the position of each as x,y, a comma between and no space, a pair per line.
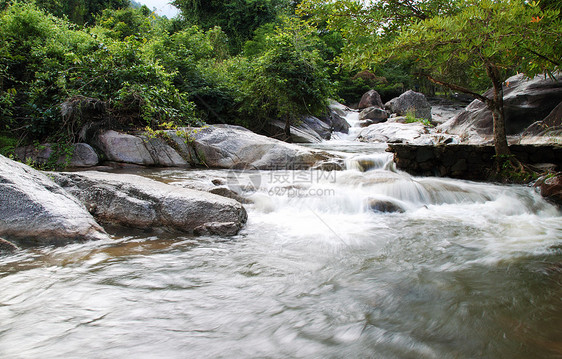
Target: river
456,269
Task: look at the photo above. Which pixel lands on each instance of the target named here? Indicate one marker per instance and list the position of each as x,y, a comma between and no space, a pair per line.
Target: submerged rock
139,202
35,210
384,206
410,102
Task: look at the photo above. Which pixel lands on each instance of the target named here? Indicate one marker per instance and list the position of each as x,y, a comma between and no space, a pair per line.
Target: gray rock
338,123
211,146
226,147
217,187
336,117
370,98
308,130
525,101
122,147
550,187
373,115
414,133
384,206
139,149
83,155
139,202
548,126
318,126
35,210
410,102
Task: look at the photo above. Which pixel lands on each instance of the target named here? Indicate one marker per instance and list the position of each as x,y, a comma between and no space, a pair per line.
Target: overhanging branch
458,88
554,62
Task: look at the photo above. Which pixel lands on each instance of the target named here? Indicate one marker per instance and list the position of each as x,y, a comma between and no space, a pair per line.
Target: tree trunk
496,106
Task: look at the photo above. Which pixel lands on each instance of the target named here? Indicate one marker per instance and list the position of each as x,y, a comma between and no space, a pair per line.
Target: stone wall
471,162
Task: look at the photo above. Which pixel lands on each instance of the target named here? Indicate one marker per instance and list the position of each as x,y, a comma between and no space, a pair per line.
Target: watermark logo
246,180
293,180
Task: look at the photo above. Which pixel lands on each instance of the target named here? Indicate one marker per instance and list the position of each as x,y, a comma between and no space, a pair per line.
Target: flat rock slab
139,202
35,210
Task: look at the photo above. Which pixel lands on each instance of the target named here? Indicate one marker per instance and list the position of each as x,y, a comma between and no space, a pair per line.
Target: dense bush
288,79
46,61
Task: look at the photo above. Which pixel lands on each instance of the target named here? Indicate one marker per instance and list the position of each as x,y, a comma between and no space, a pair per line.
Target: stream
444,269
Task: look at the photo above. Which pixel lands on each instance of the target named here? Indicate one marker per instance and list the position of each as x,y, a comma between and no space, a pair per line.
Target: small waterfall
376,161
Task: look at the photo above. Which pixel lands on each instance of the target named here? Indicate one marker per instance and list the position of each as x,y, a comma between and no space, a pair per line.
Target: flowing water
452,269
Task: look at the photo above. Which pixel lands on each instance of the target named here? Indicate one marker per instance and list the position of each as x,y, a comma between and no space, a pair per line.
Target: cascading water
367,262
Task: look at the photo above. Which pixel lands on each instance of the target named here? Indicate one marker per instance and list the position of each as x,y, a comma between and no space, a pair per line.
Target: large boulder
550,125
410,102
336,117
81,155
35,210
141,149
231,147
322,128
139,202
525,101
370,98
308,130
550,187
216,146
372,115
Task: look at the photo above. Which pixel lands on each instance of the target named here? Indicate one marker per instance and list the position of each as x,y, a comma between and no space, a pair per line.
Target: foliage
497,33
367,26
288,79
79,12
123,23
237,18
411,118
46,60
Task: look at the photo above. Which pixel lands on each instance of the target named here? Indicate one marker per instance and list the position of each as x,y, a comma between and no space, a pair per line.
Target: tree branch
458,88
554,62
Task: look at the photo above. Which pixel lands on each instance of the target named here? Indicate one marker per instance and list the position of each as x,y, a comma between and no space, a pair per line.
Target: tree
288,79
368,25
237,18
491,39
